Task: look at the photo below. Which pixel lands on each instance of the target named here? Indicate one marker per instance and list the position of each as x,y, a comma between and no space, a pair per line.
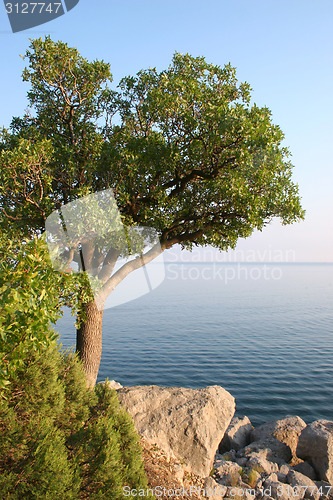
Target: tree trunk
89,342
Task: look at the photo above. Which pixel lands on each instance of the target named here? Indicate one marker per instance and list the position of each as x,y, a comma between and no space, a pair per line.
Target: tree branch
108,265
124,271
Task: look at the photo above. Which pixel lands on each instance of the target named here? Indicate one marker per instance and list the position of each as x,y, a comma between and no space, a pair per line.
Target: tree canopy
184,151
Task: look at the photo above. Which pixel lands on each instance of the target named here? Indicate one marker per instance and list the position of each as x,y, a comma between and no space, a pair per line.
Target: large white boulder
188,424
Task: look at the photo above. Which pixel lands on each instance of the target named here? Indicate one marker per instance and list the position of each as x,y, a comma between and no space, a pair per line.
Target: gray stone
250,493
325,489
228,473
316,446
281,477
272,477
306,486
240,491
188,424
285,430
241,461
272,449
237,435
226,466
213,490
258,462
111,384
277,451
229,455
285,468
306,469
259,483
279,490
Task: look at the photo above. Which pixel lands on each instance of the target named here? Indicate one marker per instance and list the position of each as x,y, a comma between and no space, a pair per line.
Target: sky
284,49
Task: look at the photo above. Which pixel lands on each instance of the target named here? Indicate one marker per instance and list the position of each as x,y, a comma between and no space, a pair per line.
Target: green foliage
188,153
58,439
184,150
32,295
195,159
26,175
116,461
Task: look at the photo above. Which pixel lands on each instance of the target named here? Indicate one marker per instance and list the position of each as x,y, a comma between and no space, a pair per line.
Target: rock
228,473
281,477
178,473
213,490
250,494
280,491
273,449
237,435
252,478
272,477
229,456
316,446
277,451
241,491
246,492
306,469
250,450
259,463
241,461
112,384
163,470
325,489
286,430
224,467
284,469
260,483
306,486
188,424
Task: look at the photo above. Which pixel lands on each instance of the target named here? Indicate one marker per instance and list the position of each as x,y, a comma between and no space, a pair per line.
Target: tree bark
89,342
89,335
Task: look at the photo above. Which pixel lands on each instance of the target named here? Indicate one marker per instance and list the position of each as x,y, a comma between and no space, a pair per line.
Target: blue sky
284,49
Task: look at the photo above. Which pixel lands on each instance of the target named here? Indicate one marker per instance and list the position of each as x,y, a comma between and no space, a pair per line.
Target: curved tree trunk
89,342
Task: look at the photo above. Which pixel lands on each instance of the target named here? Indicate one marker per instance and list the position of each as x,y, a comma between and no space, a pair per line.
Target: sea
264,332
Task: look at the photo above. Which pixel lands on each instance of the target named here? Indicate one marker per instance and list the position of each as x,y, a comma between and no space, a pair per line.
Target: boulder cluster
284,459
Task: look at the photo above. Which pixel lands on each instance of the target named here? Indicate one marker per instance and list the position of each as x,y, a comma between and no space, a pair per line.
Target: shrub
32,296
59,440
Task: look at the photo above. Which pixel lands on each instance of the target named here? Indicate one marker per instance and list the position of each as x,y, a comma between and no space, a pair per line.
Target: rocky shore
195,447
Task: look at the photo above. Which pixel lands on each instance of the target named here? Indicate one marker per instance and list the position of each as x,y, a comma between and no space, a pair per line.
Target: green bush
59,440
32,296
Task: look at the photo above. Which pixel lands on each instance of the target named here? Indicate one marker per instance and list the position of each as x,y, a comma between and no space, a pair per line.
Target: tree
184,151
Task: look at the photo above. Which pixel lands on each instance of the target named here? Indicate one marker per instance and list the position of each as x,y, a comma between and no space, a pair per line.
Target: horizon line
241,262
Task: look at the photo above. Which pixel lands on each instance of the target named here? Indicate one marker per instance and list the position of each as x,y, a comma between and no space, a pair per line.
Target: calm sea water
263,332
